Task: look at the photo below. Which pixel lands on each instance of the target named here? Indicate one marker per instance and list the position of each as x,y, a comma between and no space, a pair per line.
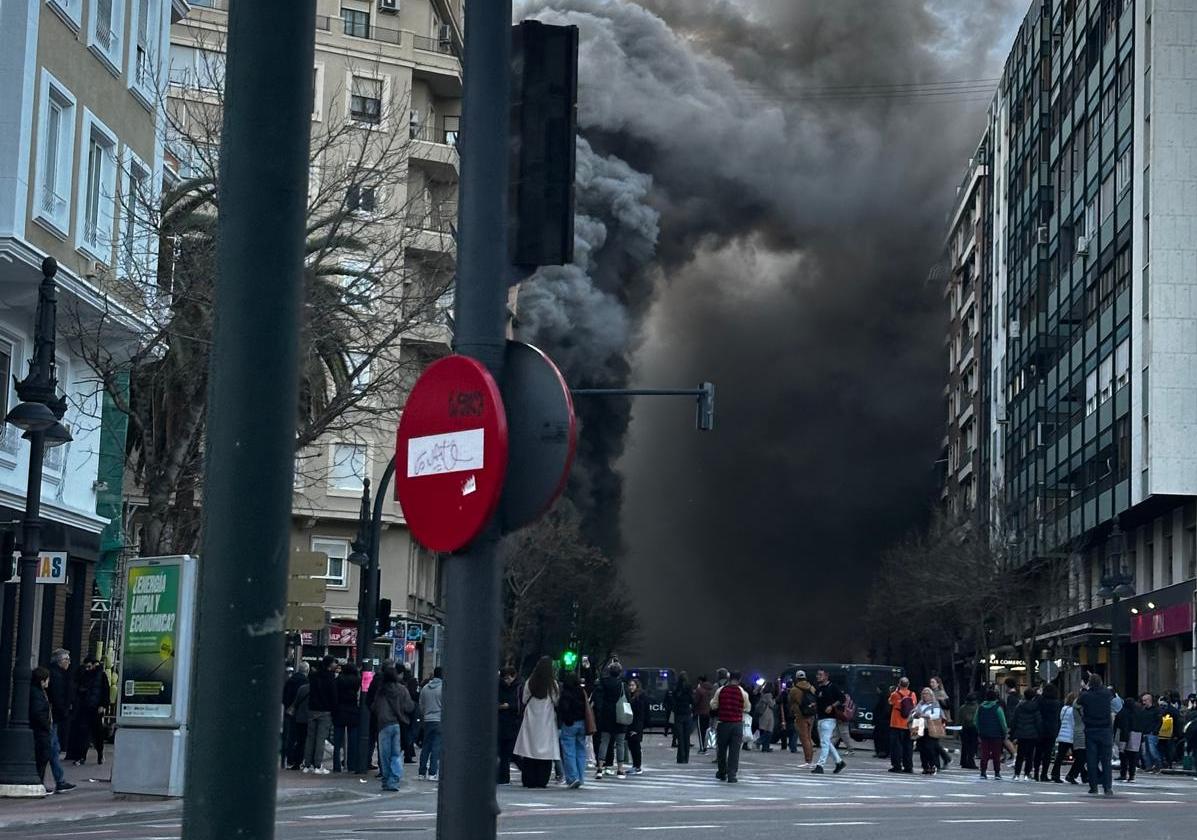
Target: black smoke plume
762,190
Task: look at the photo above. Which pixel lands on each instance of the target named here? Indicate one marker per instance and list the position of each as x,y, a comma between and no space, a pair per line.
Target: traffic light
706,407
544,127
384,616
569,659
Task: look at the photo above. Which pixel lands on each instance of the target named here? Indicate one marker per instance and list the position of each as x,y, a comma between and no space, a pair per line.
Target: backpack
807,705
847,710
906,706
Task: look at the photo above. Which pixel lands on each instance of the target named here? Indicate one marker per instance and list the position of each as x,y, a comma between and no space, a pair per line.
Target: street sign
1048,670
303,617
543,431
451,453
415,633
51,567
307,564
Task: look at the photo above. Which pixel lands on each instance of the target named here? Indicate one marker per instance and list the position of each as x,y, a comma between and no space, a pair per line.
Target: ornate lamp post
39,415
1117,582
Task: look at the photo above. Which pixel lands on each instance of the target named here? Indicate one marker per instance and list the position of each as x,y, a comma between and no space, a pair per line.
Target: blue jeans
390,756
573,751
1151,752
826,736
430,752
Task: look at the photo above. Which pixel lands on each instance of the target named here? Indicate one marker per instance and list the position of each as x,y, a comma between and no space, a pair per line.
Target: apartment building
387,102
1093,294
79,123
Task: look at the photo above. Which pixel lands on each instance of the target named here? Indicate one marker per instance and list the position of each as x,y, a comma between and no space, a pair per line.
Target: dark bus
656,683
860,681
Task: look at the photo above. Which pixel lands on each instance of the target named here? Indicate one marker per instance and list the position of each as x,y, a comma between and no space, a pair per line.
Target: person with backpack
613,713
901,748
990,722
830,701
805,710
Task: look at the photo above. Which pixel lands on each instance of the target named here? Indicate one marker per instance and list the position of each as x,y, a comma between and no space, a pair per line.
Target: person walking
1148,720
901,748
1129,739
682,707
538,744
1096,710
635,735
766,711
828,699
393,707
993,731
968,733
60,693
45,736
608,695
1049,714
431,700
702,710
943,757
322,701
1064,736
802,699
298,679
730,703
1026,728
345,719
509,721
92,694
1012,699
881,722
571,722
930,713
1079,769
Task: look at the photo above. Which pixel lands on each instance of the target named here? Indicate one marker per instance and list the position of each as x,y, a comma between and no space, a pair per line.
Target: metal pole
253,393
370,593
466,804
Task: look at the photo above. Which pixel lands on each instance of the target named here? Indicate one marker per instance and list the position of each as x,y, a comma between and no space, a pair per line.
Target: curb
284,799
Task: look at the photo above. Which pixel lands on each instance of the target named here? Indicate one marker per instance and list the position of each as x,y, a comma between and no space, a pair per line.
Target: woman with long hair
931,714
571,719
538,744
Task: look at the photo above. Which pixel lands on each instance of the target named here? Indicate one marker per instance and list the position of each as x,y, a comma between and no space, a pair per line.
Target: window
317,92
348,469
71,11
104,32
137,233
452,128
1122,363
143,49
1123,171
361,380
1105,377
9,436
97,190
361,198
195,68
1091,393
365,100
56,148
356,22
338,554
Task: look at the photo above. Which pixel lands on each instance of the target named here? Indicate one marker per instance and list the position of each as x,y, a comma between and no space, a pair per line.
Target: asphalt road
774,798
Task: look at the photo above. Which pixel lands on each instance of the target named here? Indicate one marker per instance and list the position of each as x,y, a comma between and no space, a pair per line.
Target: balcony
351,29
437,149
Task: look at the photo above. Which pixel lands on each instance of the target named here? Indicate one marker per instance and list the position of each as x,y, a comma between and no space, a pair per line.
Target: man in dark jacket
91,702
1026,727
60,692
290,690
412,728
509,721
322,700
45,738
392,707
345,719
612,744
1096,713
1049,713
1148,719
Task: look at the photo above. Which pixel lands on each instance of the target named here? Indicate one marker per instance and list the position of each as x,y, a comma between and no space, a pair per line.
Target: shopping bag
747,728
712,738
918,727
623,709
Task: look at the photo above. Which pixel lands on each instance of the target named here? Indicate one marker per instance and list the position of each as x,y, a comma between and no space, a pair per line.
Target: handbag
936,728
591,728
623,709
747,728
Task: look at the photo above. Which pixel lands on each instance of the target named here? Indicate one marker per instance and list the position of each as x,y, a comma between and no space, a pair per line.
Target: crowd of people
67,713
322,708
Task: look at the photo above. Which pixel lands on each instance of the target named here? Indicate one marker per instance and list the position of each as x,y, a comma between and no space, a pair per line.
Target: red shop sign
1168,621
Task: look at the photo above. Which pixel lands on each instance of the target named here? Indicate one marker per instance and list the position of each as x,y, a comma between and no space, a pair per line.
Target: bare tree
377,293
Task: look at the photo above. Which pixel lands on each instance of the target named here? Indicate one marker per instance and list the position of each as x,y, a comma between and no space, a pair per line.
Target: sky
762,188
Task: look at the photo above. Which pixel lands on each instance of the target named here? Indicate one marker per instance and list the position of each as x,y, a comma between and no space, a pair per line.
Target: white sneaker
321,771
306,769
432,777
423,777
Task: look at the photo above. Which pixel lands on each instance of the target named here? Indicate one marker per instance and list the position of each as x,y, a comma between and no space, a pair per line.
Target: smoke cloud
761,192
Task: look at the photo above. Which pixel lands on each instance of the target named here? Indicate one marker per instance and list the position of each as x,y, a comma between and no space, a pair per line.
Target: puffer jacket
1027,723
1067,725
1049,713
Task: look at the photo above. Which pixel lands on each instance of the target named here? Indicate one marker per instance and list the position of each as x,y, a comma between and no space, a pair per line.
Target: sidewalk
93,798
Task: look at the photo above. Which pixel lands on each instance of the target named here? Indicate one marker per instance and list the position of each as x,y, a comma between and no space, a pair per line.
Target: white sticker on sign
469,487
448,453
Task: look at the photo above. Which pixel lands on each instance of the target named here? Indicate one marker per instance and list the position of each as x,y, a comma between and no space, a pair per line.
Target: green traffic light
569,659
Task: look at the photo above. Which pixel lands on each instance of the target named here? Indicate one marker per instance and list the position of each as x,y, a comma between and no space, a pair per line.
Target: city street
772,799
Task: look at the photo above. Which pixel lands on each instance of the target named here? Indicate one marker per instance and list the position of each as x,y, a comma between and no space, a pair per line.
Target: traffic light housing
569,659
544,127
706,407
384,616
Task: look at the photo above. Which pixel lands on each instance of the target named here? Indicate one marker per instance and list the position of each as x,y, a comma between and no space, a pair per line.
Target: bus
656,683
860,681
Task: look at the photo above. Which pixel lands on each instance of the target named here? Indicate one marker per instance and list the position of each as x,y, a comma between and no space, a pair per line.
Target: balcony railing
53,205
430,134
345,26
438,45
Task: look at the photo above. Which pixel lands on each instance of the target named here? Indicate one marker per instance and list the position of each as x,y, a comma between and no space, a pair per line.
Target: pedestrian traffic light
569,659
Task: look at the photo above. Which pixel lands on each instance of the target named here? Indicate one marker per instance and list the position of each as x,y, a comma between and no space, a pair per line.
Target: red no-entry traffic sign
451,453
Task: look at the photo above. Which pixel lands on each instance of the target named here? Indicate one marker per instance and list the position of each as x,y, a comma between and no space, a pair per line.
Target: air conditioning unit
1015,329
389,6
444,34
1043,235
1082,246
93,269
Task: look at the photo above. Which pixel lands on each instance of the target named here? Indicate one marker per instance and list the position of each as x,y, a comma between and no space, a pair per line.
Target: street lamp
1117,582
39,414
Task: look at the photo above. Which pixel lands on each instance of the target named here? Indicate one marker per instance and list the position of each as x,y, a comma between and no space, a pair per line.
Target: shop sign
339,635
1168,621
51,567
